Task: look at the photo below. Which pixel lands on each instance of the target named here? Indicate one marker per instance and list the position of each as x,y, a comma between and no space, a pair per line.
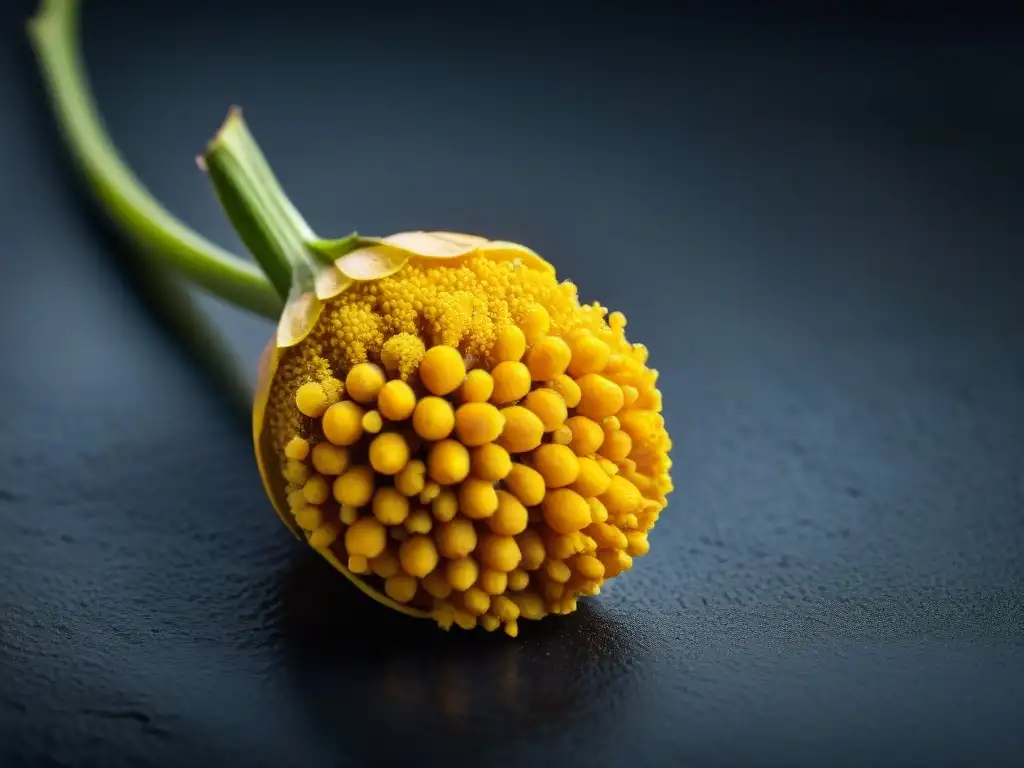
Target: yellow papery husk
301,313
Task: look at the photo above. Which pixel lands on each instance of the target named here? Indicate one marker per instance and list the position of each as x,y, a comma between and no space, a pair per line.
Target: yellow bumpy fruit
454,432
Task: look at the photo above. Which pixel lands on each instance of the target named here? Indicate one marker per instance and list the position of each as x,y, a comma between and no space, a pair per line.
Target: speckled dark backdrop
816,227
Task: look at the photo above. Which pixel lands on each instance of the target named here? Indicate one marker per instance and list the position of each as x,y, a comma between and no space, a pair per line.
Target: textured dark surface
822,235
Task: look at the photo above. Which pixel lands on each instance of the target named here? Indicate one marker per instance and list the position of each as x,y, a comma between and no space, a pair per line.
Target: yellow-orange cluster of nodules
472,442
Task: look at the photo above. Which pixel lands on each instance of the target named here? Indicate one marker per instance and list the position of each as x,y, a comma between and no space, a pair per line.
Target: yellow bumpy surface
470,441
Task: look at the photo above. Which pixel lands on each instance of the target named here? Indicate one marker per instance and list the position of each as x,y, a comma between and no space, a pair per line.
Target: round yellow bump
637,543
296,472
591,480
366,537
477,387
390,507
325,535
364,381
433,418
401,587
343,423
445,506
510,517
589,567
567,388
523,430
478,423
553,592
587,435
548,358
389,453
462,573
477,498
549,407
448,462
476,601
396,400
527,484
355,487
531,545
566,511
442,369
506,609
562,435
384,565
499,553
311,400
329,459
490,462
296,500
372,422
490,623
610,467
347,514
557,464
599,397
560,547
493,582
617,445
456,538
530,606
622,497
412,478
535,323
589,355
614,562
316,490
309,518
519,579
429,492
358,564
436,584
511,382
607,536
598,511
630,394
418,555
419,521
297,449
509,344
557,571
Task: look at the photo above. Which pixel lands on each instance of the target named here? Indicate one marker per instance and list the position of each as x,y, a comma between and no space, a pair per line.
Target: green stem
148,224
265,219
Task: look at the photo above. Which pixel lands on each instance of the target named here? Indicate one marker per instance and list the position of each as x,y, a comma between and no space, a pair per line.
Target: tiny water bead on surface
468,441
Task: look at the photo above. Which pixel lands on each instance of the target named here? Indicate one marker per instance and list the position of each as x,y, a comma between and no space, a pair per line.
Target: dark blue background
813,222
